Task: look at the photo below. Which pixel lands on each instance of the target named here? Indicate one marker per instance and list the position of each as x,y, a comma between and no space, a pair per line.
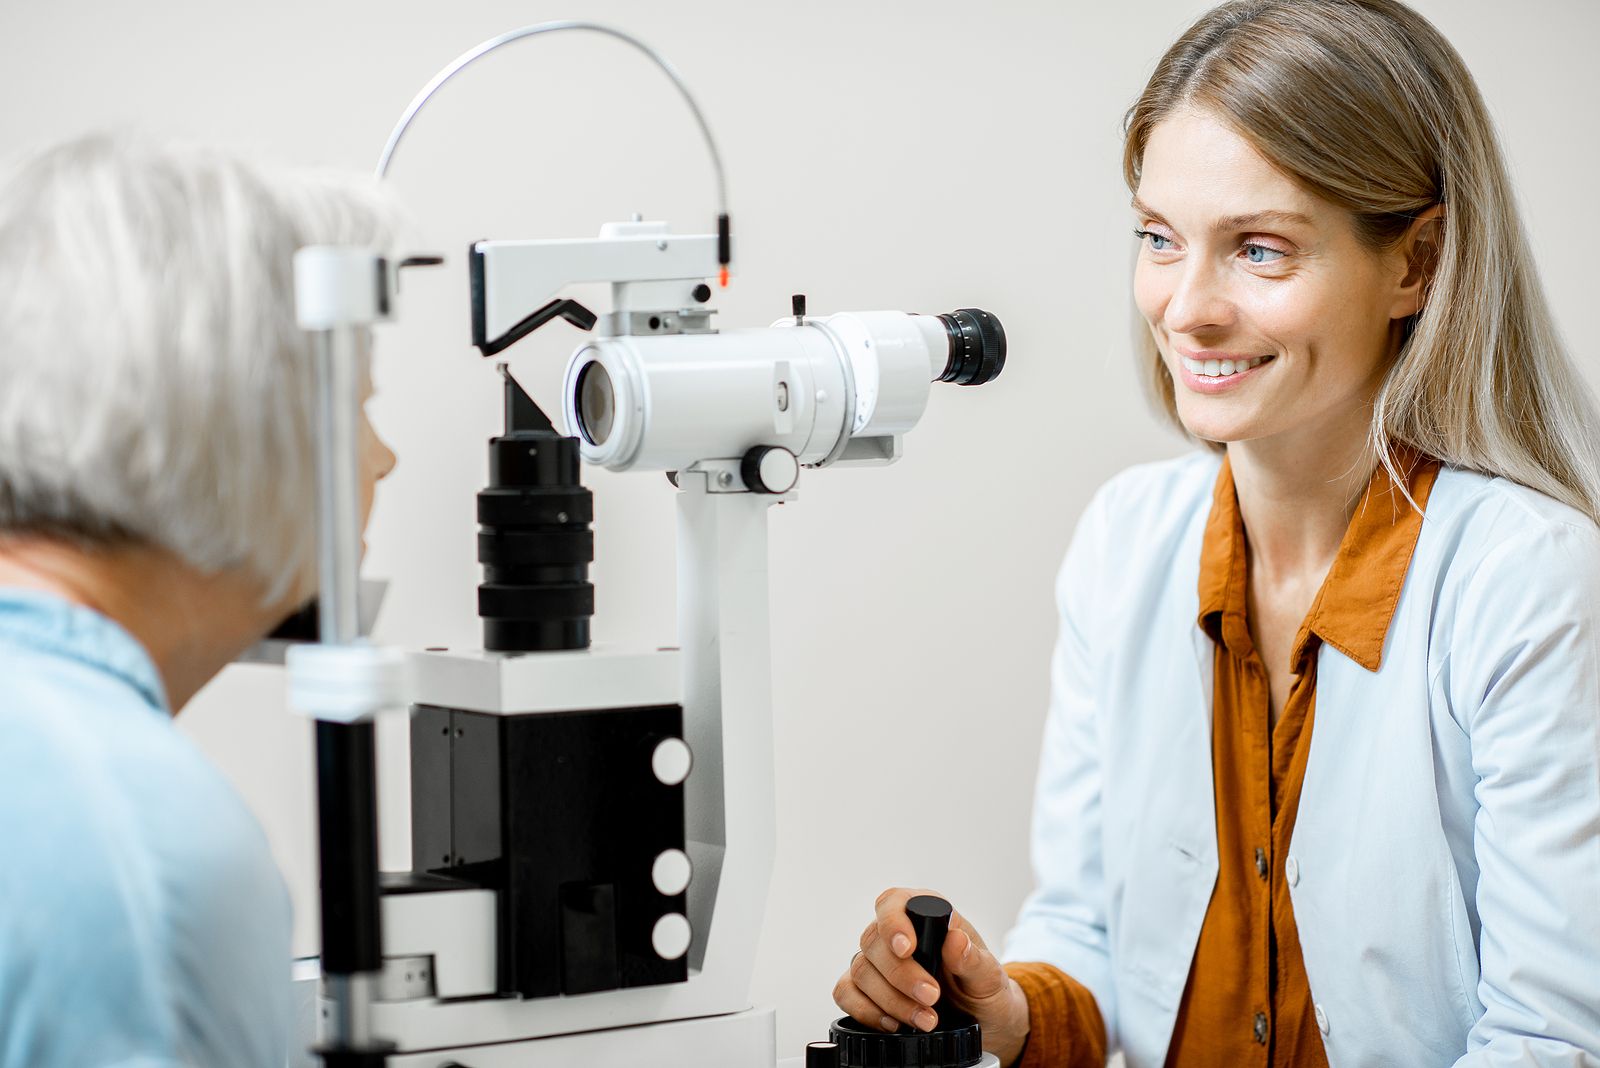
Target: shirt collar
1357,601
45,622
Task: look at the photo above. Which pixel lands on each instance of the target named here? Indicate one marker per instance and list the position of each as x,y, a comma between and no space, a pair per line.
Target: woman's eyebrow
1233,223
1256,218
1147,211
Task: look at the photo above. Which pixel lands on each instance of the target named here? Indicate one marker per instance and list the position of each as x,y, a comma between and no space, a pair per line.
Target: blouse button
1322,1020
1292,870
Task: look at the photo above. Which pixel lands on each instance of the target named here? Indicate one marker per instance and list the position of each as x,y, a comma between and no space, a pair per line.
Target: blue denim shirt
142,919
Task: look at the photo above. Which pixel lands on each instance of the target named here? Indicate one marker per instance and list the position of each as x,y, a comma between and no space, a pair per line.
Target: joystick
956,1040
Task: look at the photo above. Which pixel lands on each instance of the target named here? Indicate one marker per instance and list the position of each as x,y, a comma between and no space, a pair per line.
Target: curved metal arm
464,60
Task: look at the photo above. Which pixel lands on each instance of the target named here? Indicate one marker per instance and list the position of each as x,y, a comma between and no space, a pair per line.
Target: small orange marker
724,245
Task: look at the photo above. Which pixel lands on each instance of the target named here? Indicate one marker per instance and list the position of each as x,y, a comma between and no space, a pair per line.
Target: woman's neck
191,624
1296,498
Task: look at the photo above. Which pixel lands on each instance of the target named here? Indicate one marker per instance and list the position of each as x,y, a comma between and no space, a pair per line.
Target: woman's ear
1418,250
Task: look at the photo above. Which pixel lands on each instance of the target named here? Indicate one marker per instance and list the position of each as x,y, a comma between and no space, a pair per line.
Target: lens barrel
534,538
597,404
977,347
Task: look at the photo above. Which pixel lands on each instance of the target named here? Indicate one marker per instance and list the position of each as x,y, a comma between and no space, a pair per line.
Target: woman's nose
1200,300
386,459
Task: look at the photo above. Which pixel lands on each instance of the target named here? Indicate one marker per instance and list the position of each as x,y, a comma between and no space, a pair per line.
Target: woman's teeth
1221,368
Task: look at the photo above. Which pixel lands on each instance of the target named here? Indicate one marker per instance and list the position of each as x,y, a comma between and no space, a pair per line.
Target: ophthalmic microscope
593,827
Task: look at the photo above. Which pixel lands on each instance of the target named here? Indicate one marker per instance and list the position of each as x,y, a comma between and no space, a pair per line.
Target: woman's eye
1262,254
1157,242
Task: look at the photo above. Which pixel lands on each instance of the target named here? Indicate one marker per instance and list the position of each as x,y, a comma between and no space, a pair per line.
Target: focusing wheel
769,469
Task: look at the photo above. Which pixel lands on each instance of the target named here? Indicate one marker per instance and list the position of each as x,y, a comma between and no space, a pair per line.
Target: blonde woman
156,504
1320,782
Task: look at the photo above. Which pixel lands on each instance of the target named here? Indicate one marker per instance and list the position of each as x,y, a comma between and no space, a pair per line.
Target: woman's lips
1206,383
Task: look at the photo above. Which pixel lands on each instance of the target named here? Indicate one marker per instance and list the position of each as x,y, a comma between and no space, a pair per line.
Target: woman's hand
884,988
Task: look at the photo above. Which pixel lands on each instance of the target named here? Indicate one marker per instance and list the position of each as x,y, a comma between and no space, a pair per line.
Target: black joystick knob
956,1040
930,919
977,347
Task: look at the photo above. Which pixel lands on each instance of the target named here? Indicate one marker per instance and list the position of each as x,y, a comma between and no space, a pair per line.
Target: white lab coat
1445,864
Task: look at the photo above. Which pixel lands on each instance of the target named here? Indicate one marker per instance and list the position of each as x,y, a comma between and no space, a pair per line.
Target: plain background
922,156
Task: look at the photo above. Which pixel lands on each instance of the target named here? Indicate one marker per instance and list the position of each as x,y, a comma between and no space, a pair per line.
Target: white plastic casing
809,388
648,266
347,683
893,367
337,286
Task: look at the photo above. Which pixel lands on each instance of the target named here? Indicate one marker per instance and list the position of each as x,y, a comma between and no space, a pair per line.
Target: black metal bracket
385,302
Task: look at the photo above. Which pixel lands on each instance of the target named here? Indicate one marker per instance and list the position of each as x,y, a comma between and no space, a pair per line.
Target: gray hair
1365,104
154,388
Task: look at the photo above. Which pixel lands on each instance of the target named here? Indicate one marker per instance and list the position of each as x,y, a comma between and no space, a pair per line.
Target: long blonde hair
1365,104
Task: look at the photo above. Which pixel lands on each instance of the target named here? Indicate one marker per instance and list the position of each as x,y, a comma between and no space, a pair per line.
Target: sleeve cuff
1064,1025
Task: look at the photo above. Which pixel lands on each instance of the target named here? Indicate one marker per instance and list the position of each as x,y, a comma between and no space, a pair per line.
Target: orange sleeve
1064,1025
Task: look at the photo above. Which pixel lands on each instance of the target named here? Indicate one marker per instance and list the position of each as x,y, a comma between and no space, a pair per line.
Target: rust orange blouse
1248,1002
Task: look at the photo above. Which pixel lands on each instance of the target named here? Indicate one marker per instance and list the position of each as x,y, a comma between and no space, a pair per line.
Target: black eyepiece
977,347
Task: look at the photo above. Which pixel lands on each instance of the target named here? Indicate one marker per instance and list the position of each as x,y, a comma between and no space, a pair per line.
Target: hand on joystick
890,982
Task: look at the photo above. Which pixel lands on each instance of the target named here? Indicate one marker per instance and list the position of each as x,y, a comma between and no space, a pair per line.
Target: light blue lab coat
1445,864
143,923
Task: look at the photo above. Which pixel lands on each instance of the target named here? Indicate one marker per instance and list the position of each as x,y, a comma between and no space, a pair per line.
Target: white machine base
740,1040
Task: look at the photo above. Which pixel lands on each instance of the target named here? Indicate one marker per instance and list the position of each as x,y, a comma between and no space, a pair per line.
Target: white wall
921,155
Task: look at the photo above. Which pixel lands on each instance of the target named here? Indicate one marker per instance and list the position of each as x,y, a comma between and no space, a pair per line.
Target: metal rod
468,57
339,354
352,942
352,936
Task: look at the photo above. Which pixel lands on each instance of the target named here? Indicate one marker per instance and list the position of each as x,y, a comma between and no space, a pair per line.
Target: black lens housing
535,541
977,347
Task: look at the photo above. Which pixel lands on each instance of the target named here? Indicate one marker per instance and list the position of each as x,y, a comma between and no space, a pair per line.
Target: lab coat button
1261,862
1261,1028
1322,1019
1292,869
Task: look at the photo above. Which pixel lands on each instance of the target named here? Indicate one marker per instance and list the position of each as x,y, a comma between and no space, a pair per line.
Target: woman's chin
1219,431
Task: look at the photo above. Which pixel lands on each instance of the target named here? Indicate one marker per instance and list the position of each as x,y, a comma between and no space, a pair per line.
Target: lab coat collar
1356,603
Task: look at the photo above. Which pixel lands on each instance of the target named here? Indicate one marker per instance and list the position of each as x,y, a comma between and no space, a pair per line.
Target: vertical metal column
730,804
352,942
339,354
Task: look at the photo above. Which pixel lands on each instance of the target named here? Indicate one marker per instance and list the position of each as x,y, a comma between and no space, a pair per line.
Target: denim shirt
142,919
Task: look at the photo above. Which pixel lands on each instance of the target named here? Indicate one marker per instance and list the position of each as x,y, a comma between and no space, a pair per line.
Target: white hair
154,388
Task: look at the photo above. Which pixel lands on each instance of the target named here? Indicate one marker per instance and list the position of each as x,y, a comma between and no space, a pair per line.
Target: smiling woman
1320,783
1364,128
1268,322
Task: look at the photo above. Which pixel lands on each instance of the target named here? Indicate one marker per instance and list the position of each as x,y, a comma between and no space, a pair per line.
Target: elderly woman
156,518
1320,783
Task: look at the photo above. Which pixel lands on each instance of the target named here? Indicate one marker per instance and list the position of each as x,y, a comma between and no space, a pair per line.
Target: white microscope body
734,415
593,828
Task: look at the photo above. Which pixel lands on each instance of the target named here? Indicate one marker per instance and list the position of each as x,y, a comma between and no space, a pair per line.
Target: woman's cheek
1284,314
1149,294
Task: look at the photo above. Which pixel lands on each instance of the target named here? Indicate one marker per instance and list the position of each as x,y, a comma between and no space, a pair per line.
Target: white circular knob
671,936
671,761
671,872
769,469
